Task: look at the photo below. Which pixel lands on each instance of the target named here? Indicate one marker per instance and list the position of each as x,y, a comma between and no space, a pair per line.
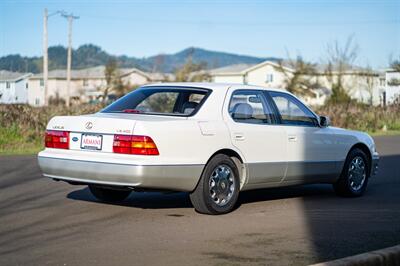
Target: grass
384,133
14,142
22,127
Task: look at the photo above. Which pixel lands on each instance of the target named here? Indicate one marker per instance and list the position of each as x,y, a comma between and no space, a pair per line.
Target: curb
385,257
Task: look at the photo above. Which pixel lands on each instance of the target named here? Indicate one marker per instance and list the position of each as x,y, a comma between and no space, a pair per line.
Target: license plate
91,142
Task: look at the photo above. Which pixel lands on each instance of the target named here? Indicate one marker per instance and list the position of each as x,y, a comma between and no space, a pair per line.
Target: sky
253,27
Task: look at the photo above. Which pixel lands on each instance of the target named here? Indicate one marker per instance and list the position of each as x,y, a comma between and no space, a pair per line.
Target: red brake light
57,139
139,145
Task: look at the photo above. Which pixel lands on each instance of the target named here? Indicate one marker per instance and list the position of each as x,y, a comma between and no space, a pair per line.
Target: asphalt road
43,222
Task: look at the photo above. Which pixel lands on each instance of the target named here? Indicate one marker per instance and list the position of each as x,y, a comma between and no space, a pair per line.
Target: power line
244,23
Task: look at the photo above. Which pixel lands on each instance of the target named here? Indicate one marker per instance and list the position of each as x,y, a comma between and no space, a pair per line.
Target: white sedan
211,140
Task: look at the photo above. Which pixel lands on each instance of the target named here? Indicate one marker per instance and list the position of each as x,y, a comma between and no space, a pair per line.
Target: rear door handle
292,138
238,136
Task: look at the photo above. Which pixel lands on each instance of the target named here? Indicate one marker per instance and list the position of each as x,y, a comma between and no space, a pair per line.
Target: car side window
250,106
292,111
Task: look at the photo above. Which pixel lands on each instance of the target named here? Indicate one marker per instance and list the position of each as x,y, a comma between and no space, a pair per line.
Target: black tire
343,186
109,195
201,197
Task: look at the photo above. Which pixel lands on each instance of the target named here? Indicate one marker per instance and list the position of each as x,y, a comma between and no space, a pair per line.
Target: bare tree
298,76
158,62
370,78
395,64
112,76
191,72
340,59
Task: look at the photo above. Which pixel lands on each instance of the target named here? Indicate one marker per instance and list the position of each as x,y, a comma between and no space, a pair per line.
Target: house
268,74
360,83
13,87
391,92
86,84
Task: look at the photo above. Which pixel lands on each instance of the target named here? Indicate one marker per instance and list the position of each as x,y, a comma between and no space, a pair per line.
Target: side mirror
324,121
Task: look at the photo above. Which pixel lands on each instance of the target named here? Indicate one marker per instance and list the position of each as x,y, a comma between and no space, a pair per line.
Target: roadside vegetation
375,120
22,127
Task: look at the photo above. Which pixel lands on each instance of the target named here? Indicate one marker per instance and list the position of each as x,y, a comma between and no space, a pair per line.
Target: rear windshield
160,100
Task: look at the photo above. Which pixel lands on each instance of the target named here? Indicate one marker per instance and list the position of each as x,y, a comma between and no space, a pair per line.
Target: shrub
362,117
22,127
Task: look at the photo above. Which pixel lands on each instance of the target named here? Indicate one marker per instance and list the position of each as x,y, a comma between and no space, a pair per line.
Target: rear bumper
375,164
170,177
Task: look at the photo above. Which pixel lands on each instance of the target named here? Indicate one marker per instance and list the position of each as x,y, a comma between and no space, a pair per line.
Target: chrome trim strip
87,161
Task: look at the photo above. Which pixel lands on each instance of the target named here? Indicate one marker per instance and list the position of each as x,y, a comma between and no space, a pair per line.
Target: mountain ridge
90,55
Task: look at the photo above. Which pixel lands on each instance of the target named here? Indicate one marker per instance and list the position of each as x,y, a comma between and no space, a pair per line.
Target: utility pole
70,18
45,55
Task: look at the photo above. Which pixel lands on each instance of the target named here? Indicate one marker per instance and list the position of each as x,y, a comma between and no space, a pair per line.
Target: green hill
89,55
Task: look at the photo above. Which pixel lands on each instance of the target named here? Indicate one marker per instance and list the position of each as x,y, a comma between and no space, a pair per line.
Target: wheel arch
237,159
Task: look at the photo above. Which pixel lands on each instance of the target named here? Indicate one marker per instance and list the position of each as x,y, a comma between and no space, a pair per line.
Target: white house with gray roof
359,83
86,84
13,87
263,74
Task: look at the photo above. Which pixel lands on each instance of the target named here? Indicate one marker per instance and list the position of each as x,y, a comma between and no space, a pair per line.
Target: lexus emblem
89,125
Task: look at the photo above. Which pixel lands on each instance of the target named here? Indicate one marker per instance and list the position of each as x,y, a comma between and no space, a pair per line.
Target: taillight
139,145
57,139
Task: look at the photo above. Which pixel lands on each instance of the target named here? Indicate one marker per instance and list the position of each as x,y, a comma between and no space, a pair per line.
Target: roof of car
209,85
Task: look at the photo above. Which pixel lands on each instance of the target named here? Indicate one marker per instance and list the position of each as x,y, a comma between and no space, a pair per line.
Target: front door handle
292,138
238,136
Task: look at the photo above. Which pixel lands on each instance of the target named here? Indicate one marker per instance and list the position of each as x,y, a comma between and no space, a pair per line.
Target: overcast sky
259,28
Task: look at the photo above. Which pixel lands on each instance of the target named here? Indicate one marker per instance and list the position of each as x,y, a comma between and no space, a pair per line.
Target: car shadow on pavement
269,194
144,200
171,200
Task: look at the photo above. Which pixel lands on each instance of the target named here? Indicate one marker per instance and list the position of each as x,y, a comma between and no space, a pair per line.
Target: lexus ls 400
211,140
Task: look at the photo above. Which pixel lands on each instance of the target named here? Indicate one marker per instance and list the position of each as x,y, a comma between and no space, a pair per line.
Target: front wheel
354,178
109,195
218,189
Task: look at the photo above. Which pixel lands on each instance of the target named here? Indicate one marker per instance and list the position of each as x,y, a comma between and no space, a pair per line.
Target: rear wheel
354,178
218,189
109,195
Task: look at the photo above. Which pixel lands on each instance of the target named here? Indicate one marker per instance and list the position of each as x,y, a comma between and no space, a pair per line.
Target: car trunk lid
96,132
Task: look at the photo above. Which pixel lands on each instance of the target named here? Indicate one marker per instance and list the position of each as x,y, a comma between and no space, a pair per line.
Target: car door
311,149
250,119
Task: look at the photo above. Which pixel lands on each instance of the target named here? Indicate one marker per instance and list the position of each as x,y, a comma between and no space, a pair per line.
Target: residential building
361,84
391,93
86,84
13,87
